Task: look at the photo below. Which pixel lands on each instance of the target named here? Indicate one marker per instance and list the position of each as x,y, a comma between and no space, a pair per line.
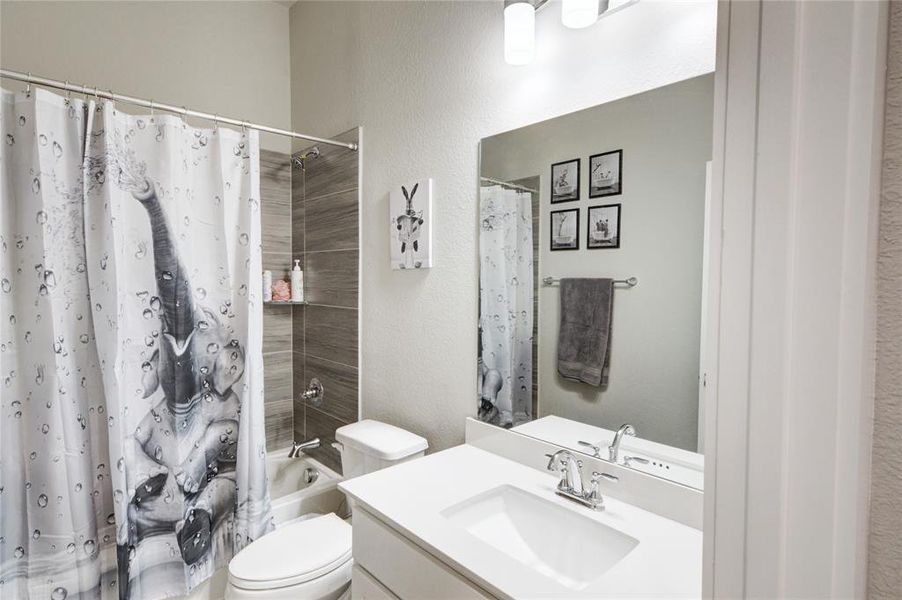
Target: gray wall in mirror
665,135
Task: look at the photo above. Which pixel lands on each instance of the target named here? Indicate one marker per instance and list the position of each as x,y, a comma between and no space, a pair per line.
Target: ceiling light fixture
520,22
519,32
577,14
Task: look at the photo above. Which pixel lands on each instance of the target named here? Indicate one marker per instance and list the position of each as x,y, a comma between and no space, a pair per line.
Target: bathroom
725,174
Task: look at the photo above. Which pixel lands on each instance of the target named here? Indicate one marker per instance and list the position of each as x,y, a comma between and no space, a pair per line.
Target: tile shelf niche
284,302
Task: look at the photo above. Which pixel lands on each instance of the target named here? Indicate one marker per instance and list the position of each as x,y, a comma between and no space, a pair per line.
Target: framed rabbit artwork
410,208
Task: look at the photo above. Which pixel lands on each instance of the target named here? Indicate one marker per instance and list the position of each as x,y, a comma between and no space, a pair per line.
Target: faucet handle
596,450
596,477
634,459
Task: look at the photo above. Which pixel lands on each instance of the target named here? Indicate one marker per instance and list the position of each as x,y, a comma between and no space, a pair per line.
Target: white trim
798,128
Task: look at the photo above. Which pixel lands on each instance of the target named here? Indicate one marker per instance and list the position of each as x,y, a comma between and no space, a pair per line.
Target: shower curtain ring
68,90
215,123
28,86
151,107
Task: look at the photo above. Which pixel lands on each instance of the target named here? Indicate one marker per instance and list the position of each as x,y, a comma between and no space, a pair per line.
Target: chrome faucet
570,485
614,448
298,447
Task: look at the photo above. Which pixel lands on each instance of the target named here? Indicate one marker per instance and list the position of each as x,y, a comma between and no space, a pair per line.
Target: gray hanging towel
584,337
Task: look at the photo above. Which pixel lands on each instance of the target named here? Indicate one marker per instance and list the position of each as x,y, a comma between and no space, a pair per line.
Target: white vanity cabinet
465,523
387,566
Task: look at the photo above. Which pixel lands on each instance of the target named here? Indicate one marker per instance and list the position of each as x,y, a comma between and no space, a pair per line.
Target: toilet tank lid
380,439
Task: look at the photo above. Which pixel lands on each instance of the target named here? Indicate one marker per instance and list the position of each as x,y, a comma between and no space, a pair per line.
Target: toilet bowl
311,559
305,559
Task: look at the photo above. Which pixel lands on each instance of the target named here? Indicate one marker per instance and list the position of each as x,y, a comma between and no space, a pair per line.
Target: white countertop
411,496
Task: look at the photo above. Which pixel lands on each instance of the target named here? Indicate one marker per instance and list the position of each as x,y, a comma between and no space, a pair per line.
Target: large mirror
592,242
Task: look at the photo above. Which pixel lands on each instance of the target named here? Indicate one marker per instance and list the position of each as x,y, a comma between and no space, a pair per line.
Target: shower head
298,160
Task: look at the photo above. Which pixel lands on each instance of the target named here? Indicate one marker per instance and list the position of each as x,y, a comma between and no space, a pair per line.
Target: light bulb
577,14
519,33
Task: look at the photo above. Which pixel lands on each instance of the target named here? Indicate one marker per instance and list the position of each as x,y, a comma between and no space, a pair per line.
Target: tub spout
298,447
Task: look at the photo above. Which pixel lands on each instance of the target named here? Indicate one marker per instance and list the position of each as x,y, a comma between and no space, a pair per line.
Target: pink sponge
281,291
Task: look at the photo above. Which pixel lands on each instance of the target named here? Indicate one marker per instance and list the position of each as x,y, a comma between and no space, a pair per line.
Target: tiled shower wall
325,235
275,207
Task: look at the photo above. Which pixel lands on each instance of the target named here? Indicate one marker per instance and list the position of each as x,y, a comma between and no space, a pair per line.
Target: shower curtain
132,437
506,306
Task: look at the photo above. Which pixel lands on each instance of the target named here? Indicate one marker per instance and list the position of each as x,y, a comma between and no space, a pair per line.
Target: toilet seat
293,554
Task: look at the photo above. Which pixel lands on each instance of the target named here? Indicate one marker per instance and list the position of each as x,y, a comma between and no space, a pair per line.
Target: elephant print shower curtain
132,427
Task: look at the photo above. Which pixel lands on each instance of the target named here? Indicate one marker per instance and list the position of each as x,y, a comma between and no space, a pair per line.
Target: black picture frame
554,245
616,188
593,224
573,195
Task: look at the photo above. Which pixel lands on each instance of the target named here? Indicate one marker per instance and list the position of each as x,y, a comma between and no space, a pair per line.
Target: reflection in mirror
573,345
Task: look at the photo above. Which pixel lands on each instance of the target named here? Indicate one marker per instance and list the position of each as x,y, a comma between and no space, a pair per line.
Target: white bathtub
292,498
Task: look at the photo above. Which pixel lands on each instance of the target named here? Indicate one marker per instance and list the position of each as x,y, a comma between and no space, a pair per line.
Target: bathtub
301,486
298,488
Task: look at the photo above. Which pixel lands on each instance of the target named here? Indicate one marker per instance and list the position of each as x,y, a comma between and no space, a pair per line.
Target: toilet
311,558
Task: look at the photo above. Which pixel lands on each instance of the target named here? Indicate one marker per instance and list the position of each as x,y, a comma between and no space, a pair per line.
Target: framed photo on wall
565,229
606,174
410,225
565,181
603,230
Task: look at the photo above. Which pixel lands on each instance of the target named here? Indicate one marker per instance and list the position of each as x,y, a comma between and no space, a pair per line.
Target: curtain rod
152,105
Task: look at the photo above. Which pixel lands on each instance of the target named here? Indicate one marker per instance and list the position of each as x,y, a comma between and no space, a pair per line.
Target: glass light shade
577,14
519,33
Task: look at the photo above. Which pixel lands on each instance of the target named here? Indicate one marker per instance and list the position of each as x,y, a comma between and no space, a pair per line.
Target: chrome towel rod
629,281
152,105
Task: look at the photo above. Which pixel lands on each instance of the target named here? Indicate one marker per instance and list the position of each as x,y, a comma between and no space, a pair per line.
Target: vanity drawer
403,567
365,587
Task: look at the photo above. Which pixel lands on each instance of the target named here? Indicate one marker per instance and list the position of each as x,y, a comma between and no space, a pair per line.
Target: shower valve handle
314,392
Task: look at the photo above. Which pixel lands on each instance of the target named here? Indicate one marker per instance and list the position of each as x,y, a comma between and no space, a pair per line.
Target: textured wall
426,81
325,211
230,58
885,553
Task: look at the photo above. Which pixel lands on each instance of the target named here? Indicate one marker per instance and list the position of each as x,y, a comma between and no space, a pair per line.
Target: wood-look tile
277,262
298,226
275,201
332,222
300,427
340,383
331,334
299,384
334,170
277,370
298,329
277,322
319,424
331,278
279,423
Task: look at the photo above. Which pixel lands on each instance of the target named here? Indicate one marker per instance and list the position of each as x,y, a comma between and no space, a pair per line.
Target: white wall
427,81
228,58
665,135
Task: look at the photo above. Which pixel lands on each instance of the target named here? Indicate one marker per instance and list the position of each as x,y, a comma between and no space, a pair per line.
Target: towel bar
629,281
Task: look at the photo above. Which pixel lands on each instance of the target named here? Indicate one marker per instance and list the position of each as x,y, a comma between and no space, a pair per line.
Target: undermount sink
557,542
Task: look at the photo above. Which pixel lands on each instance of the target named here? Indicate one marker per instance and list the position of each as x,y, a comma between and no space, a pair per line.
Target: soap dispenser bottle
297,282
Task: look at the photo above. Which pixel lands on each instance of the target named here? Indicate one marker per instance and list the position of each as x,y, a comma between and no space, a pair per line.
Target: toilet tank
368,446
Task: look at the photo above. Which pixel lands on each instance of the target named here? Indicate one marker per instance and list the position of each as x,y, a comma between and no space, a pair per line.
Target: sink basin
554,541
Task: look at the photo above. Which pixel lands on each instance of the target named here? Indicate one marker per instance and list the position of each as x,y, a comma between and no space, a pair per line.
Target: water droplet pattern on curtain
130,262
505,307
